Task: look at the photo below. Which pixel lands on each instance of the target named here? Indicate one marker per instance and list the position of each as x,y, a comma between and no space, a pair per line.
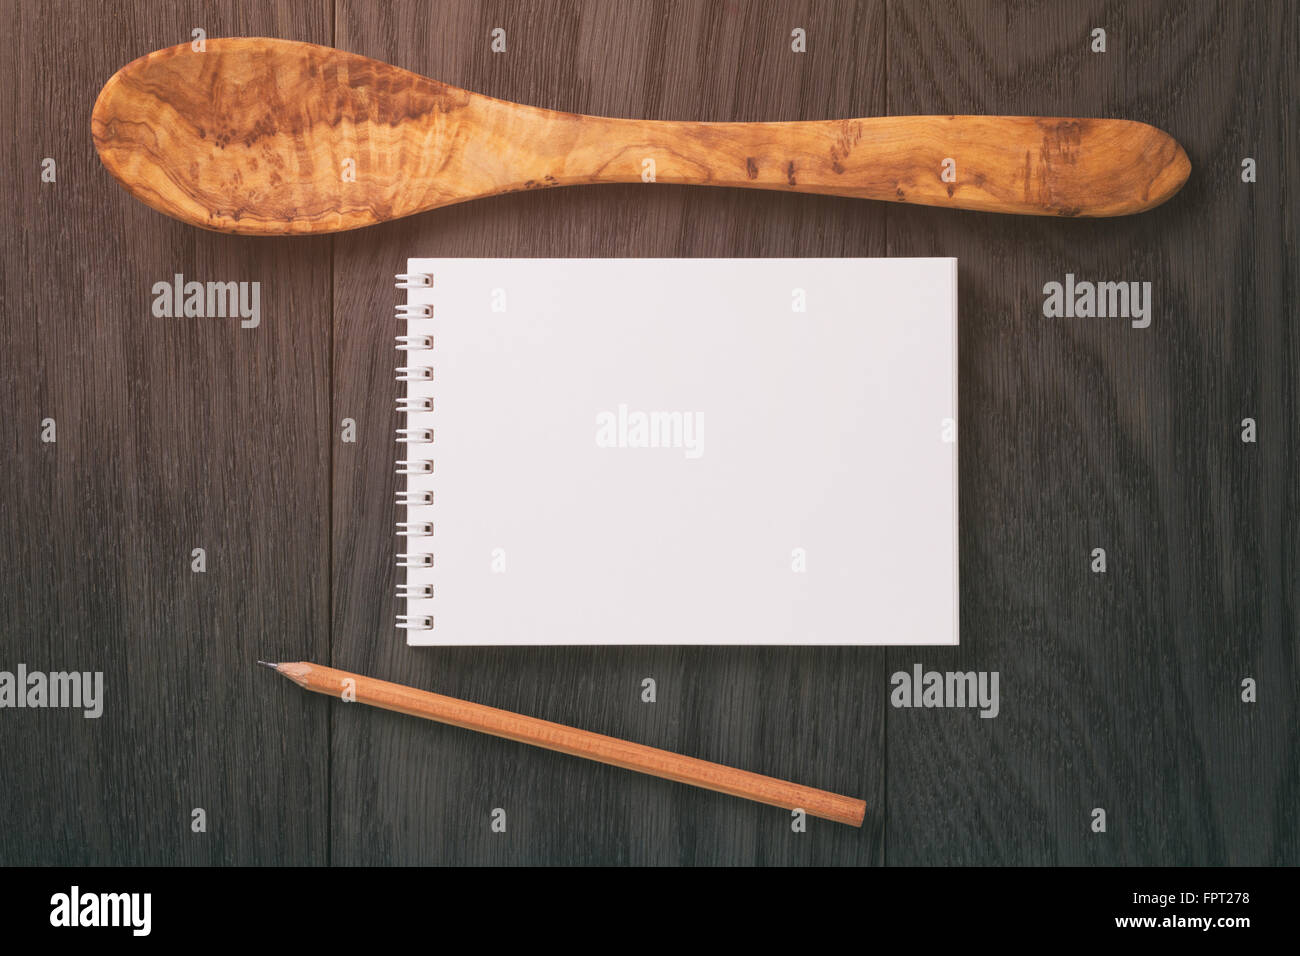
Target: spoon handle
1010,164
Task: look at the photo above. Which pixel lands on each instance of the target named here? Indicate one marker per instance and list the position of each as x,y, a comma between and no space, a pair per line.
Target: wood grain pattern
1120,690
252,136
173,434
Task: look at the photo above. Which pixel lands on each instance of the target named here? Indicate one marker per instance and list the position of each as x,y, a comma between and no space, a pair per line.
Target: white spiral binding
406,403
415,529
415,436
415,622
418,432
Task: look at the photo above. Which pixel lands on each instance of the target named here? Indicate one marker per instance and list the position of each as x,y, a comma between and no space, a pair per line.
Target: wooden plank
172,434
407,792
1118,690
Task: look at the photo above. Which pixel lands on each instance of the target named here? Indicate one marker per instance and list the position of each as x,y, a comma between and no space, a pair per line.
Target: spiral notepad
678,451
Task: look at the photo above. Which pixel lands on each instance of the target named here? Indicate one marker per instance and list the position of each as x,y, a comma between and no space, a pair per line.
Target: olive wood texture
259,136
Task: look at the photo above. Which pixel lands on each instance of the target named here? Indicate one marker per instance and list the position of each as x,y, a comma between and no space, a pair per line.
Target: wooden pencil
570,740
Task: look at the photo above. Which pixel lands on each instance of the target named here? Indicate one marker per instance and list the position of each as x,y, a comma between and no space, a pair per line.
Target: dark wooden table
1120,691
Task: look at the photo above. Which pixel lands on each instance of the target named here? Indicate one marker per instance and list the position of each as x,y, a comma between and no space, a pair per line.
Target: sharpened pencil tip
270,665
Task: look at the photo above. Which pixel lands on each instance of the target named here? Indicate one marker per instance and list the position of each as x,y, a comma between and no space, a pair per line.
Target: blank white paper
688,451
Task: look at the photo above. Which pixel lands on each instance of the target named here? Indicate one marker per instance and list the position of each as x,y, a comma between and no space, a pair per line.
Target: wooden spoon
270,137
